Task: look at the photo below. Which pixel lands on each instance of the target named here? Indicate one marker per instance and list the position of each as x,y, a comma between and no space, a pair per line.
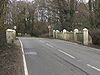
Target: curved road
58,57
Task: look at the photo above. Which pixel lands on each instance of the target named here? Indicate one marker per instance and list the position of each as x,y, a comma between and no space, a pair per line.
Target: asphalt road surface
58,57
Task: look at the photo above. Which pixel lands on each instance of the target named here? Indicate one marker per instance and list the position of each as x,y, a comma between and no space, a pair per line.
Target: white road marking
93,67
42,41
31,53
66,54
49,45
79,60
27,38
24,61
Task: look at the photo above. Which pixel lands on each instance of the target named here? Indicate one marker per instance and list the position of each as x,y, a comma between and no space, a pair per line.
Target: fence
76,36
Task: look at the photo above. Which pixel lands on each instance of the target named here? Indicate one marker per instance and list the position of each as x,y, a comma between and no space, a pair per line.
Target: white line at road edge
93,67
66,54
24,61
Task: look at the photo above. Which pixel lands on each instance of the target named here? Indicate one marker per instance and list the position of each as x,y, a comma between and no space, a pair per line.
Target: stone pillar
64,34
10,36
14,34
85,36
75,36
57,31
54,32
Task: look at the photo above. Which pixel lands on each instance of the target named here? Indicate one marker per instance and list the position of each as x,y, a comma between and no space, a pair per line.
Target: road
58,57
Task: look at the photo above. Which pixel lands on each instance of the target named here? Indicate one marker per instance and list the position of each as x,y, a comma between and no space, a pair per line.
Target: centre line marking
93,67
49,45
66,54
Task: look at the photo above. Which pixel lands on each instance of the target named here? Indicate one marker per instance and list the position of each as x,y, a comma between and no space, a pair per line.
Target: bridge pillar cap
76,30
57,30
64,30
54,30
85,29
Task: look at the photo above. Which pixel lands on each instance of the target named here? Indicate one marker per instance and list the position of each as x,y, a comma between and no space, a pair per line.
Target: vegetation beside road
11,60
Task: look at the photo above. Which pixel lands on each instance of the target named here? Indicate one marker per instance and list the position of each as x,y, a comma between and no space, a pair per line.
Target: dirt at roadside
11,60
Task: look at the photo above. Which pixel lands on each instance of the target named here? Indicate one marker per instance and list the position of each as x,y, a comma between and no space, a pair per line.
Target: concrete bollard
57,31
75,36
85,36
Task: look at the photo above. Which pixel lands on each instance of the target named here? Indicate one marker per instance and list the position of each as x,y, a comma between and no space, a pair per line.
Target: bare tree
3,11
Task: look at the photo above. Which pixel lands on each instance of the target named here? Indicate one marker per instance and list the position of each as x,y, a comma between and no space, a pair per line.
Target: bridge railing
76,36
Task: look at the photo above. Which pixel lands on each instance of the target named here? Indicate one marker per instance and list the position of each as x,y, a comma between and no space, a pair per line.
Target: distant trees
94,8
29,17
35,17
21,16
60,13
97,13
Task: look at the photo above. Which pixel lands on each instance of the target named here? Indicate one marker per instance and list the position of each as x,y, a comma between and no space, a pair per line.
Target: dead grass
11,60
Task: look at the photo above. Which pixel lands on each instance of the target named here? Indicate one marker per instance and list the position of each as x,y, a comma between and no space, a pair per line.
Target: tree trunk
2,36
3,10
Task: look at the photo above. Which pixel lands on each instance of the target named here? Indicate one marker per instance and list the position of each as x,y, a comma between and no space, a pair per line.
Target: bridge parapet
76,36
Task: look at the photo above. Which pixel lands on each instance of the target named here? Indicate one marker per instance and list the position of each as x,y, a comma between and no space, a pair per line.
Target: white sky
80,0
30,0
85,0
24,0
